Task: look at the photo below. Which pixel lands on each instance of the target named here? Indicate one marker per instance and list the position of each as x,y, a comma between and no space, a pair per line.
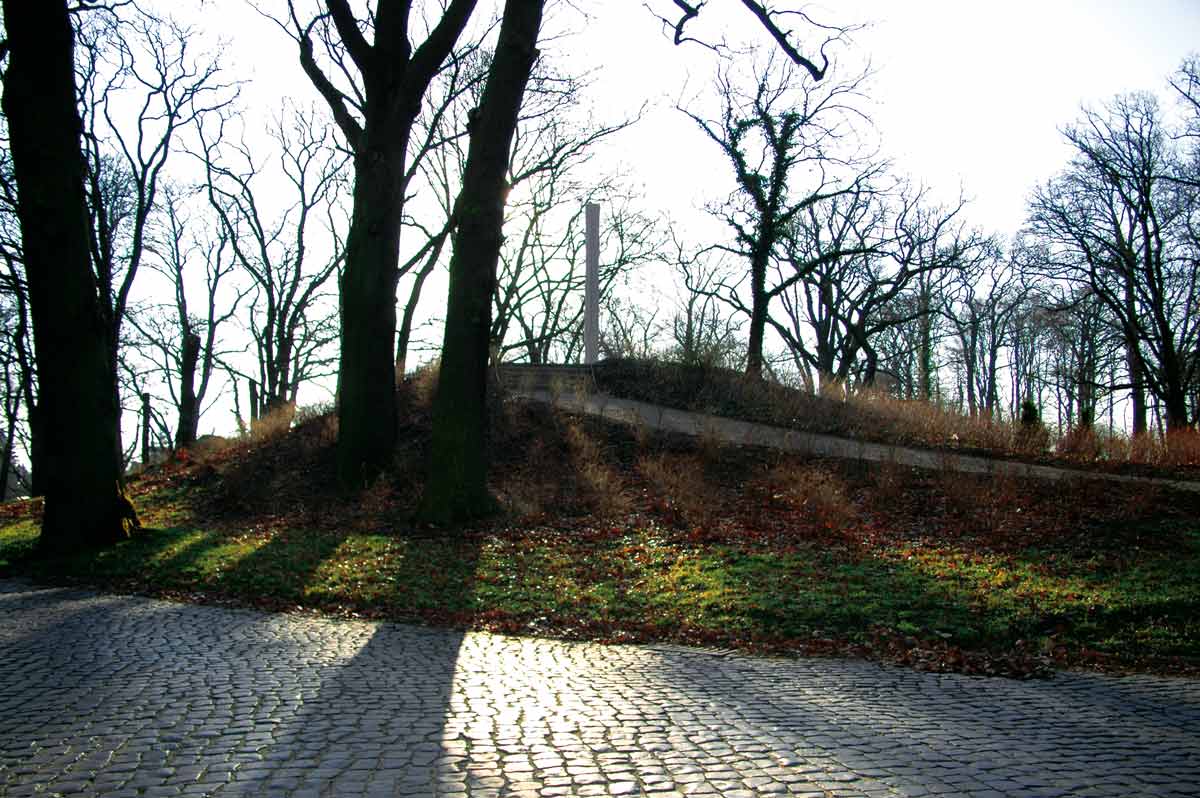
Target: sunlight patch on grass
1111,605
185,543
641,582
17,541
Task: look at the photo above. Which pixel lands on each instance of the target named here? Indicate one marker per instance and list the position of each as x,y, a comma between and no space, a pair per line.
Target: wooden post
591,310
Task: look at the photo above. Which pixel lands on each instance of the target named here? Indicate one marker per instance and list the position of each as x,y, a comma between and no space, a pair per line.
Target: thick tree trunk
84,505
457,488
1133,359
189,406
1177,408
1137,390
367,376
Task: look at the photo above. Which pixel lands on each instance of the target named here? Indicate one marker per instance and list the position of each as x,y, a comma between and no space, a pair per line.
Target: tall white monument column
591,307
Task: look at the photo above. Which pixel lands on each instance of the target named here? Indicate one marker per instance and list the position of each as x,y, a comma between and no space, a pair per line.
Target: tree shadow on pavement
835,725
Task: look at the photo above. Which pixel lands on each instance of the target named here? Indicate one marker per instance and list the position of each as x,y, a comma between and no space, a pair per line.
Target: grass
615,534
639,584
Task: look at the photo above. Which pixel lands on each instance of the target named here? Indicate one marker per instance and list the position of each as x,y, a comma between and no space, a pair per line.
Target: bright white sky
966,94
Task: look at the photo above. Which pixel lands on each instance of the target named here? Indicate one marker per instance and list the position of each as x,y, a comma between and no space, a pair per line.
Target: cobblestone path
119,696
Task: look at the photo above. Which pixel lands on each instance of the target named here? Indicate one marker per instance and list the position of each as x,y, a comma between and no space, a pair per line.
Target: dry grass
813,491
547,463
987,504
680,482
603,487
1178,449
878,416
931,424
273,425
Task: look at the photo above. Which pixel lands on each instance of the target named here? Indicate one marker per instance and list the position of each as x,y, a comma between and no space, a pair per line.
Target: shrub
684,495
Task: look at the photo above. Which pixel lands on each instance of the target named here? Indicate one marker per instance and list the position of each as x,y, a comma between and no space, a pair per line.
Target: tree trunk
189,406
1133,359
970,347
925,369
759,301
367,372
1137,389
1177,408
6,463
457,487
76,384
255,404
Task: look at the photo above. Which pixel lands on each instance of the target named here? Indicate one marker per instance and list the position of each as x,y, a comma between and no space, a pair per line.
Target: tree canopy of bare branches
1113,223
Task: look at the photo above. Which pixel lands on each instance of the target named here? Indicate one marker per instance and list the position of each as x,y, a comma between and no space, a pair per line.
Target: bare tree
1186,84
540,262
16,373
184,344
781,138
1083,344
703,331
374,89
458,475
770,18
537,306
290,256
20,375
982,303
437,162
631,330
1113,224
855,259
146,64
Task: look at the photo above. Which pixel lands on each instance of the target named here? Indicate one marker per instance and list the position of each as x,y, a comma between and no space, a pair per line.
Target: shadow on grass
126,559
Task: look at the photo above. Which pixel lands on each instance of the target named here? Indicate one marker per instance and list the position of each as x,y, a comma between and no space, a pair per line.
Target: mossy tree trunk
76,382
457,487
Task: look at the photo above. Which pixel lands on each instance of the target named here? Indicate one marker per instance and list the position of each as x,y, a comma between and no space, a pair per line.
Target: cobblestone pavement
119,696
